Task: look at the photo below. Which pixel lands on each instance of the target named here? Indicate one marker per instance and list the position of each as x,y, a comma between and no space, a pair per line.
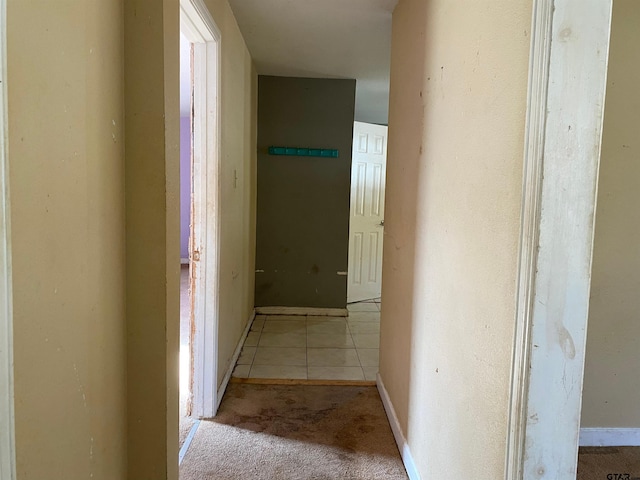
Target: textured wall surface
66,143
237,184
454,185
152,200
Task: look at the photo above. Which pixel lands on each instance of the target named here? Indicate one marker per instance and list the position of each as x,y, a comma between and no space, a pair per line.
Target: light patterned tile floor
313,347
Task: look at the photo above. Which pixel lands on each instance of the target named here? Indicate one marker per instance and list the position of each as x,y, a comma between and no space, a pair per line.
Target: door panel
366,227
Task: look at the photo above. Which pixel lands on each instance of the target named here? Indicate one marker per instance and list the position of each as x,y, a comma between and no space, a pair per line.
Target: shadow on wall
407,123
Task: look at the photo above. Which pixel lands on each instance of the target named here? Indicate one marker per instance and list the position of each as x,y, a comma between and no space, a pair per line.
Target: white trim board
234,360
197,22
7,421
187,442
610,437
540,52
321,312
403,446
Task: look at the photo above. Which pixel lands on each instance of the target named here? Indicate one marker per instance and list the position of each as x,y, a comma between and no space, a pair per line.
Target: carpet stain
295,432
599,463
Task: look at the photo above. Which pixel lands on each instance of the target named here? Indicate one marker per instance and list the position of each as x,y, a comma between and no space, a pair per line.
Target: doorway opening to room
200,225
366,220
609,439
366,236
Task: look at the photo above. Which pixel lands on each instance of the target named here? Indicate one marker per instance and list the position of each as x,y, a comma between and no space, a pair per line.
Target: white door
366,225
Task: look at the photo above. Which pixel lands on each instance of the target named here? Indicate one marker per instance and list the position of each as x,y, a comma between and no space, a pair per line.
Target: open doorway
302,331
610,417
366,219
200,132
366,236
186,310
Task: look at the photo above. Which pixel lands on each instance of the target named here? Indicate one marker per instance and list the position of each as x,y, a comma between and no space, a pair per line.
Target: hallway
296,347
295,431
285,347
313,347
302,432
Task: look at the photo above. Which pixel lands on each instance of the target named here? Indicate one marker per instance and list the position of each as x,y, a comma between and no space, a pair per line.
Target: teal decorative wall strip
304,152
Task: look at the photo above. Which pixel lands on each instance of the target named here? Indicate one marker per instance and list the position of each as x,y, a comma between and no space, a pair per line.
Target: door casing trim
200,29
7,419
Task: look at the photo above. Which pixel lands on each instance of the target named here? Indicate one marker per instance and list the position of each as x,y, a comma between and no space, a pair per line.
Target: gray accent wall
303,202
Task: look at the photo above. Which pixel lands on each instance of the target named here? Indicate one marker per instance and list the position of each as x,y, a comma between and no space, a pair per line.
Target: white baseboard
234,359
324,312
187,442
610,437
403,446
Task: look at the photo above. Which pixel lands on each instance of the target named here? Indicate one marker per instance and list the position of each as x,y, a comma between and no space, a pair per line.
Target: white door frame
7,437
198,26
567,82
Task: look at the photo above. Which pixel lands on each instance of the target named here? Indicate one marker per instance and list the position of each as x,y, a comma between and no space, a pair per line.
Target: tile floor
313,348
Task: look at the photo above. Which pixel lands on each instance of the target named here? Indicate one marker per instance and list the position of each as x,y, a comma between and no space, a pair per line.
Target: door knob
381,223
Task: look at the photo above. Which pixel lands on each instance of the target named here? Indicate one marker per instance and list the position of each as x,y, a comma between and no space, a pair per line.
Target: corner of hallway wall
253,193
152,174
66,132
237,184
459,73
611,393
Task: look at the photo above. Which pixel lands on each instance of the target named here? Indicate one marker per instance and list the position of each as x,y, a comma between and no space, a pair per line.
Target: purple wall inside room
185,184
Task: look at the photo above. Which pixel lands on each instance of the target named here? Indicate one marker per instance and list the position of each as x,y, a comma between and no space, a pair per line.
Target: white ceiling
324,39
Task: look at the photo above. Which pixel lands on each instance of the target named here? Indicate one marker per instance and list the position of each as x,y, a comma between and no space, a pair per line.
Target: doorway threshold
302,381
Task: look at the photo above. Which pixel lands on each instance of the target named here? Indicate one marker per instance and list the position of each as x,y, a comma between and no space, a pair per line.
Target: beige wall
151,62
611,394
454,183
237,206
66,118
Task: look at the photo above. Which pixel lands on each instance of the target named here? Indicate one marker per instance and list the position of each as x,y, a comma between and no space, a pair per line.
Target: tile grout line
253,362
306,344
254,357
356,349
354,346
264,320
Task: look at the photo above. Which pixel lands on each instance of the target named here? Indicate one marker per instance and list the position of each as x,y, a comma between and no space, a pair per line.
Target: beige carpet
295,432
596,463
